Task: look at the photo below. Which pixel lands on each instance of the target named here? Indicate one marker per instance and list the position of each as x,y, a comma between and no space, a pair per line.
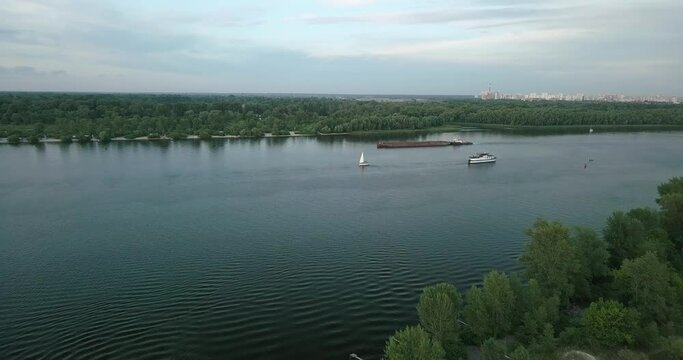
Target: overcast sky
343,46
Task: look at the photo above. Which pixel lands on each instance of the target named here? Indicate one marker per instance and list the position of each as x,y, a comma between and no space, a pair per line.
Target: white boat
362,161
590,131
481,158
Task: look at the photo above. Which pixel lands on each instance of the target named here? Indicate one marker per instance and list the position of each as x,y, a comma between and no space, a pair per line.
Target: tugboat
457,141
481,158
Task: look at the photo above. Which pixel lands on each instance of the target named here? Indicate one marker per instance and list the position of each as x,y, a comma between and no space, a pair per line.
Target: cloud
348,2
119,39
22,71
303,45
221,17
502,48
437,16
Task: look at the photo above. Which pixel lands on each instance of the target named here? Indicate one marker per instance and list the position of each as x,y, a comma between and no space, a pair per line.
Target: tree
671,348
38,129
33,140
658,242
104,136
625,354
651,287
546,343
673,186
537,312
83,138
624,234
593,256
492,349
550,257
520,353
454,348
609,323
13,139
672,213
650,218
175,135
413,343
489,309
439,309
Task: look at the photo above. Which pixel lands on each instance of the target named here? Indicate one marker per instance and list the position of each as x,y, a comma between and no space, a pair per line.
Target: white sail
362,161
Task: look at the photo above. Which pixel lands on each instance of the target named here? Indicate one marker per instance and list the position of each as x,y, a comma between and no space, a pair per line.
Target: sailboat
362,161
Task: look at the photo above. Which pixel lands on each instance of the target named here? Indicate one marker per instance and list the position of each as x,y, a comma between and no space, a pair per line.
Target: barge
411,144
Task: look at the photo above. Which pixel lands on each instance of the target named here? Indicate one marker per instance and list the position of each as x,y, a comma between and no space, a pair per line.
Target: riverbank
452,127
148,138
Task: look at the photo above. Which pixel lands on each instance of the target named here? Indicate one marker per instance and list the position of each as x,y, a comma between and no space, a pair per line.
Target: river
281,248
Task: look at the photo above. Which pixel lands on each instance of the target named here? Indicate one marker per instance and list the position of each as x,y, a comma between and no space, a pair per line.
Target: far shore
166,138
439,129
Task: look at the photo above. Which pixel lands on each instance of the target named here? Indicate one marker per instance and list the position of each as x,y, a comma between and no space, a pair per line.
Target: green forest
615,295
82,117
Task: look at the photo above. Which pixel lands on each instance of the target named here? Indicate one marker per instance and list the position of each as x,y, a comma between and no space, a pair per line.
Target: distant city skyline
343,46
492,94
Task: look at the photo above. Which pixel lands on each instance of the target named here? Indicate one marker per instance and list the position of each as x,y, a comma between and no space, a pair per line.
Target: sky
446,47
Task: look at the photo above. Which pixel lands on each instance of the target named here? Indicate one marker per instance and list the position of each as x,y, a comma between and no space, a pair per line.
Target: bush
520,353
671,349
66,139
177,135
492,349
104,136
256,132
33,140
413,343
84,138
625,354
609,323
13,139
572,336
454,348
647,334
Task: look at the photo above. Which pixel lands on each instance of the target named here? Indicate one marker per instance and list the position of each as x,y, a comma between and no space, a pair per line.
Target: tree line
83,116
618,294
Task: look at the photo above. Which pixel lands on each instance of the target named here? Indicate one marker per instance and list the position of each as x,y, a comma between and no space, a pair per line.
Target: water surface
280,248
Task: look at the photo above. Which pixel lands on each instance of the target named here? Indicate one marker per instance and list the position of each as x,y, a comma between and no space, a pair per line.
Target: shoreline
453,127
162,138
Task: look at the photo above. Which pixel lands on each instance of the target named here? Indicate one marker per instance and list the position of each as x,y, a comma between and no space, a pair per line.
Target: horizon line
312,94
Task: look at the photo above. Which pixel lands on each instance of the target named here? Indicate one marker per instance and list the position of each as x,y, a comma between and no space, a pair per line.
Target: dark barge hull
411,144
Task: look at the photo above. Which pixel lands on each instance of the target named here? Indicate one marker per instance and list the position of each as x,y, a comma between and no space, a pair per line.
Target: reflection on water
277,141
